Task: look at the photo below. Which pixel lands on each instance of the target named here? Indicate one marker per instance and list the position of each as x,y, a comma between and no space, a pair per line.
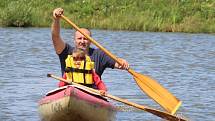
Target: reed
138,15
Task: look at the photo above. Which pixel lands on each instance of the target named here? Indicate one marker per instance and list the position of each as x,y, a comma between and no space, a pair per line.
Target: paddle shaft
153,89
158,113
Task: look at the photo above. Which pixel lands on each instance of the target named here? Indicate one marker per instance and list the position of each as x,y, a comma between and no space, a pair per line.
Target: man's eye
82,38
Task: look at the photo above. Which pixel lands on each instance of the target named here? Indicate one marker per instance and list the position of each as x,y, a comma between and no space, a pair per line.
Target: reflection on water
183,63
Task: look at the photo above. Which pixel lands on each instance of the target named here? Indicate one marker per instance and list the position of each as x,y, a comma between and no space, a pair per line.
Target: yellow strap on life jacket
79,75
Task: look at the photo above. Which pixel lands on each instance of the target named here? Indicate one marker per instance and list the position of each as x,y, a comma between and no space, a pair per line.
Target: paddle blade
158,93
164,115
161,114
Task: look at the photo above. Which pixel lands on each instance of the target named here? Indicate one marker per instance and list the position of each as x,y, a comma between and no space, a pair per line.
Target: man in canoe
102,61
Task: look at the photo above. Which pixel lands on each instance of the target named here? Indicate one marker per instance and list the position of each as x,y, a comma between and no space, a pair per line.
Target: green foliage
16,15
141,15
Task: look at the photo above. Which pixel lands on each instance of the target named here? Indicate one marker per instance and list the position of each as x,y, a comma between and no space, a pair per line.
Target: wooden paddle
158,113
153,89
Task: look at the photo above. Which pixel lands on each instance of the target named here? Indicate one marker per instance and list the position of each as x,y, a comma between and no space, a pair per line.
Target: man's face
82,42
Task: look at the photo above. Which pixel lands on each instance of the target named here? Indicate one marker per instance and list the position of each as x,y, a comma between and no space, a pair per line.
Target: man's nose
84,40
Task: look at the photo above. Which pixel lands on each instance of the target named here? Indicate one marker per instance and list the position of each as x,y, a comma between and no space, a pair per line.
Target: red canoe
70,103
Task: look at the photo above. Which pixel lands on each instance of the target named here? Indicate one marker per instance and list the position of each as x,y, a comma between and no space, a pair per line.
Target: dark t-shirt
101,60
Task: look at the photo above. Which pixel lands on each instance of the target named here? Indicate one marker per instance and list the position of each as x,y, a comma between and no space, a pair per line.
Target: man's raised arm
58,43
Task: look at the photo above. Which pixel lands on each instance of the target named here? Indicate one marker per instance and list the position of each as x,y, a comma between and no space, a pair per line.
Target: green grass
139,15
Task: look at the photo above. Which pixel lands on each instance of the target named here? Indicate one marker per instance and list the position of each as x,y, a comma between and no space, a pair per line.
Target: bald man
102,61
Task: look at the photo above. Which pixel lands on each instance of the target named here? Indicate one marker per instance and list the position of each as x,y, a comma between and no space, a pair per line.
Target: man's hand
102,92
124,64
57,13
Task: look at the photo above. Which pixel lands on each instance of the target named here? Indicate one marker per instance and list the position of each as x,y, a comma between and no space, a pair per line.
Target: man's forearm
55,29
58,43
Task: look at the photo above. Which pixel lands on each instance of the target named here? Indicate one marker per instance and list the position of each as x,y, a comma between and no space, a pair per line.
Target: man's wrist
56,20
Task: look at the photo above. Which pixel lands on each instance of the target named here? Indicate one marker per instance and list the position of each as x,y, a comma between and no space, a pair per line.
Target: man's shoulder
67,50
68,46
95,51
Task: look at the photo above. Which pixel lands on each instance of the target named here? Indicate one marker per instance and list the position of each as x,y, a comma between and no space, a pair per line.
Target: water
183,63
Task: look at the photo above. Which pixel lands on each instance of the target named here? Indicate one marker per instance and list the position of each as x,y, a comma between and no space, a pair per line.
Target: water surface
182,63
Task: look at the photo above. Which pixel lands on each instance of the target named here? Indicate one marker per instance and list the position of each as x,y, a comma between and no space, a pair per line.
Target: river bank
134,15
